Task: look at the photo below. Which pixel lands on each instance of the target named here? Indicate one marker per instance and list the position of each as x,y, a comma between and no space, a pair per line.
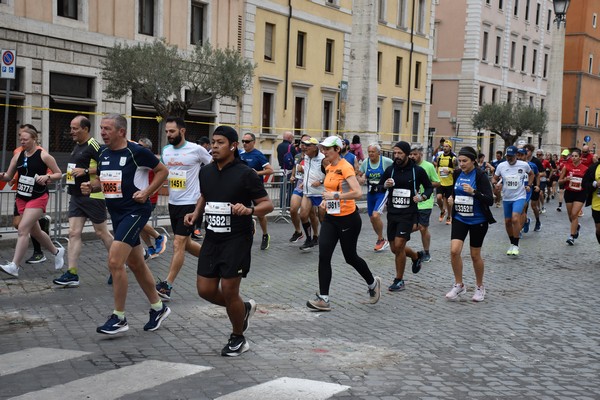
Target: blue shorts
297,192
513,207
375,202
528,195
316,200
127,227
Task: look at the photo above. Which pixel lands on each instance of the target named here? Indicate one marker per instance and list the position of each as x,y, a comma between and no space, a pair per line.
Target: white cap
331,141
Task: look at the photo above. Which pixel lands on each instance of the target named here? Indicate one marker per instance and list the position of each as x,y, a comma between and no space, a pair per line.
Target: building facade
60,45
488,51
581,77
316,69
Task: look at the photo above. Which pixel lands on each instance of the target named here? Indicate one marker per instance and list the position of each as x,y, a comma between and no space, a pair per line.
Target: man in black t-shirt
231,193
82,168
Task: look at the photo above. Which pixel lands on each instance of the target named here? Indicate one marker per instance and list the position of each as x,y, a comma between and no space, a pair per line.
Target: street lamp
560,10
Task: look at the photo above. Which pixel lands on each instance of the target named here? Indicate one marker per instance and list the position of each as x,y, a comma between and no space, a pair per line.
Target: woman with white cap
341,223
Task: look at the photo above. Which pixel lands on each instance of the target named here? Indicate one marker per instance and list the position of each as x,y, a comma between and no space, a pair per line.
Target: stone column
552,137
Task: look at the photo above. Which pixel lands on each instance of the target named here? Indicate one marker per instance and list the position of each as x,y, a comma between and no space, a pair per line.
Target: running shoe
526,226
146,255
510,250
160,244
381,245
416,264
457,290
67,280
397,286
497,205
296,237
581,213
576,235
164,290
152,252
36,258
442,214
538,226
308,244
515,251
319,304
59,258
250,306
375,293
426,257
197,235
571,241
264,244
479,294
156,318
11,268
543,210
109,280
449,221
558,209
113,326
235,346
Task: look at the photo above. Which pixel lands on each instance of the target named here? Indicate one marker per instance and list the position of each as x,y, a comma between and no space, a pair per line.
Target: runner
560,165
571,176
123,179
591,183
403,181
514,175
370,172
445,163
183,160
471,215
231,193
297,179
342,223
314,173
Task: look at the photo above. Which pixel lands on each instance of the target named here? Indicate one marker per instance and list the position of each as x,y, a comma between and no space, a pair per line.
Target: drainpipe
287,56
410,57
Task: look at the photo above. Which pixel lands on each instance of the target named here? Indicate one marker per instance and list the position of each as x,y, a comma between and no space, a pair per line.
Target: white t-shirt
184,167
513,179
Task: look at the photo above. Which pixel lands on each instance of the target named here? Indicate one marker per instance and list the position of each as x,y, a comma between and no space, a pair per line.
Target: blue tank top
468,209
374,174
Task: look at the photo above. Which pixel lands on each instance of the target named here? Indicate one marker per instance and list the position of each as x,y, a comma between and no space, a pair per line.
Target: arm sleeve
484,189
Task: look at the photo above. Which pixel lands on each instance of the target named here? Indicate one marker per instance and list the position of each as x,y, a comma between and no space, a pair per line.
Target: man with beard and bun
231,193
402,181
183,159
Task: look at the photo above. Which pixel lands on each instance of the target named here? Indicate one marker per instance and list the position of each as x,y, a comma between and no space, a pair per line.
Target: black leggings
345,229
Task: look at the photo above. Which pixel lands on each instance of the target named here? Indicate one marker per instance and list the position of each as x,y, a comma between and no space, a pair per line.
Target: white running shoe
456,291
510,250
11,268
479,293
59,258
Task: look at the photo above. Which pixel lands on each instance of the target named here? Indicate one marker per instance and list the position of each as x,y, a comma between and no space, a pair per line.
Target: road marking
117,383
287,389
11,363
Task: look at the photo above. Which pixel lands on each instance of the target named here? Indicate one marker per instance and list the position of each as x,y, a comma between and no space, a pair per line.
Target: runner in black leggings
342,223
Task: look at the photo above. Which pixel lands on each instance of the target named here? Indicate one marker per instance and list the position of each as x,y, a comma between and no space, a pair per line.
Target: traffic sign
587,139
456,139
8,64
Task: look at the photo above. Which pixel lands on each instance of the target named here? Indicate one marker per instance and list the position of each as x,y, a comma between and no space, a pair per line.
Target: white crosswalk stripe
287,389
114,384
11,363
117,383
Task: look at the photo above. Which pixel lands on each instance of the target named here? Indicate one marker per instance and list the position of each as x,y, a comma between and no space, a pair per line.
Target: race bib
464,205
575,183
333,206
25,187
70,177
512,182
401,198
444,172
218,216
177,180
111,184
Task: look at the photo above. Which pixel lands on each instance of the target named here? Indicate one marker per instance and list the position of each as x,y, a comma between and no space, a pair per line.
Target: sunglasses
247,141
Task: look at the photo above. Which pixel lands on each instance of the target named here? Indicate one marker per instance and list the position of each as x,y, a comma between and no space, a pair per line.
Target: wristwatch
336,196
87,171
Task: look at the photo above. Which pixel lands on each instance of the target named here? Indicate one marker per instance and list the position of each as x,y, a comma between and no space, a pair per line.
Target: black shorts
400,226
423,217
127,227
86,207
535,196
16,211
445,191
177,214
596,216
571,197
227,259
476,232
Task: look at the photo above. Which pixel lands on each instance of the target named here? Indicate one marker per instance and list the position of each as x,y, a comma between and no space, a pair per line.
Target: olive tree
510,121
156,72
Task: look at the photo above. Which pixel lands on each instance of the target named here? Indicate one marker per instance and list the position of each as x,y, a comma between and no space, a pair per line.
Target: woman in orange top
341,223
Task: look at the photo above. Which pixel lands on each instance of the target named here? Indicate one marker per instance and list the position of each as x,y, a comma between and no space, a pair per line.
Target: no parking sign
8,62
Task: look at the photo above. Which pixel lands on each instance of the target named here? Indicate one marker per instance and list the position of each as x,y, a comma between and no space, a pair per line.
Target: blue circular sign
8,57
587,139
